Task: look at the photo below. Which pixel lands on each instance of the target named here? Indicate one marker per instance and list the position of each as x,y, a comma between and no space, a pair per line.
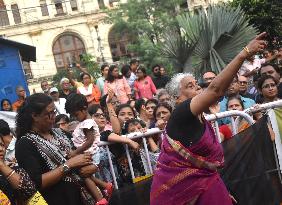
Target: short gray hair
64,80
173,86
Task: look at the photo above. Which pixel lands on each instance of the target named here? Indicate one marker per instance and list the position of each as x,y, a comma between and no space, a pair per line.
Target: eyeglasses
99,115
243,82
270,85
115,103
51,113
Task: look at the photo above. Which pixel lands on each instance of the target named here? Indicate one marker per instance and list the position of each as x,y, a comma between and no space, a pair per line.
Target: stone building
61,30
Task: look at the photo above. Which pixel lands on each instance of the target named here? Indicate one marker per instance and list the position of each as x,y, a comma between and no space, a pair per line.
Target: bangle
11,174
247,50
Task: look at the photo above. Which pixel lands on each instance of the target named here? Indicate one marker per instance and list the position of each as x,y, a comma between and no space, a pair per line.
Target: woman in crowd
6,105
105,128
268,87
89,89
125,113
163,96
14,181
42,151
233,103
144,86
191,149
150,106
62,121
118,84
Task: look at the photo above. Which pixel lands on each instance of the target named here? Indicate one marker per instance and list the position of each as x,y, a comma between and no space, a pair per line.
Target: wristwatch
65,168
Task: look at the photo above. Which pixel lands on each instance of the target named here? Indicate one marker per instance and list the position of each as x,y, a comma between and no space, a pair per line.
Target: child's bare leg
91,186
99,182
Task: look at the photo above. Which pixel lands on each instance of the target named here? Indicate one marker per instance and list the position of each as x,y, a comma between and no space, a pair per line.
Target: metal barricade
137,135
231,114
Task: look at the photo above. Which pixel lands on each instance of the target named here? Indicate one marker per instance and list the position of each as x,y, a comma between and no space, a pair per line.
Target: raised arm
219,85
112,114
70,77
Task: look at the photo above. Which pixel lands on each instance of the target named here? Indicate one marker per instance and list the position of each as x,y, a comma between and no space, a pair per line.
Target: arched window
4,19
119,42
66,50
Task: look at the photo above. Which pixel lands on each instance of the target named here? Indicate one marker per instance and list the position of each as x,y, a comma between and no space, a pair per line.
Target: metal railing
230,114
136,135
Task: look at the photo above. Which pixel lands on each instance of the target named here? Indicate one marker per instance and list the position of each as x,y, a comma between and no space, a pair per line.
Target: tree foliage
266,15
145,21
208,39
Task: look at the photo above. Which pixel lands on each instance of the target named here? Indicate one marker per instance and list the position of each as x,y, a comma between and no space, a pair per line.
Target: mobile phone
71,65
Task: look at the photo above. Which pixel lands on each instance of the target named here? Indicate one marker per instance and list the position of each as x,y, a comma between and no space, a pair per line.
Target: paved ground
137,194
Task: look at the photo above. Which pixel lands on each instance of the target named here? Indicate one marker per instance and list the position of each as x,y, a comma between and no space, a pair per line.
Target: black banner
250,172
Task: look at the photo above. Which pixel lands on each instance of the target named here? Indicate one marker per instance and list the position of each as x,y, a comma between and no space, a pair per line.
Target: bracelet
11,174
247,50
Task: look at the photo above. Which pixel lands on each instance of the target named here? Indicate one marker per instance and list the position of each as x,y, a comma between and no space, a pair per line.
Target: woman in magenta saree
186,172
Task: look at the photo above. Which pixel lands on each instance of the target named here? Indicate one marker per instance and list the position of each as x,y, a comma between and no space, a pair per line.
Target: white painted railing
136,135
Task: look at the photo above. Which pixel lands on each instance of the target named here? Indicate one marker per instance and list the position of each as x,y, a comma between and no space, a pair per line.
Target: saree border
197,161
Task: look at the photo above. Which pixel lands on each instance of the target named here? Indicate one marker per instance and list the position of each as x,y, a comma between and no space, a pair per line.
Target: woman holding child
45,152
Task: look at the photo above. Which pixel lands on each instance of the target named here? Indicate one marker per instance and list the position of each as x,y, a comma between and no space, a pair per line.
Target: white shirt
249,66
60,106
10,158
79,137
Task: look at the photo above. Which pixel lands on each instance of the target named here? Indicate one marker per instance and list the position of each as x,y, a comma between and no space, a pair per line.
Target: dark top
105,135
29,158
160,81
280,90
63,95
184,126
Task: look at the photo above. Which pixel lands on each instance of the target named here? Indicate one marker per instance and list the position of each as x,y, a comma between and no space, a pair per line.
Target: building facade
194,4
61,30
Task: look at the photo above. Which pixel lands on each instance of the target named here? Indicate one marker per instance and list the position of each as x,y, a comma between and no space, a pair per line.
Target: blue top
247,102
100,83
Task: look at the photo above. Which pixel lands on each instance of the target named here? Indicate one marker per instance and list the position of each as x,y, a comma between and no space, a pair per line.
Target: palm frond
209,39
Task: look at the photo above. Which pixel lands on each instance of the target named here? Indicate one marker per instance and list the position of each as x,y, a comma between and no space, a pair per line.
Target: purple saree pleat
189,175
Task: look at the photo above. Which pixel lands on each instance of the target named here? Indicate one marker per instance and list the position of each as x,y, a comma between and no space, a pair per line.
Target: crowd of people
54,150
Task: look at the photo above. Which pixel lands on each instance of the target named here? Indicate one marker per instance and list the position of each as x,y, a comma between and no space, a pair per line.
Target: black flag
251,172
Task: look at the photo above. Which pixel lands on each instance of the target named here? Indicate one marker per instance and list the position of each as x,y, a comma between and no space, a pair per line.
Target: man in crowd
21,97
243,87
45,87
159,80
252,64
232,91
59,102
208,77
101,81
65,88
273,70
134,65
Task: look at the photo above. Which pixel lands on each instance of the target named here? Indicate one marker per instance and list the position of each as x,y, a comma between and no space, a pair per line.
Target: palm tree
208,39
